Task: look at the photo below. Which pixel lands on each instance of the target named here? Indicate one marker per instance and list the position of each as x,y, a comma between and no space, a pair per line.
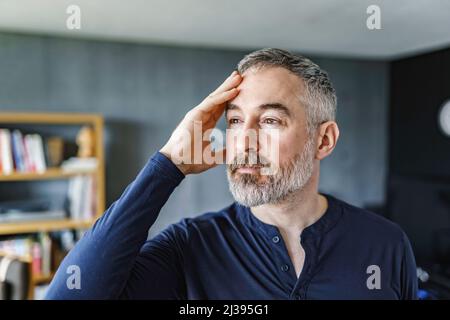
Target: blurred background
128,71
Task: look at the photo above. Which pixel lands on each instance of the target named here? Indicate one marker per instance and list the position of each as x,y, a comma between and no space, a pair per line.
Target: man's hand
206,114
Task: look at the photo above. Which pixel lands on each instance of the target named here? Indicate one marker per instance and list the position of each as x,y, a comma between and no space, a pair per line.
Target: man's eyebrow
231,106
276,106
266,106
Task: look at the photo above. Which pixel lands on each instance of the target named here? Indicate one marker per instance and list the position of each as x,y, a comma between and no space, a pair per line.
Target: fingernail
234,72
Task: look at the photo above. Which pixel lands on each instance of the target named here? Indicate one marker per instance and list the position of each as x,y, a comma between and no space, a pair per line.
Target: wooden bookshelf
12,119
94,120
10,228
50,173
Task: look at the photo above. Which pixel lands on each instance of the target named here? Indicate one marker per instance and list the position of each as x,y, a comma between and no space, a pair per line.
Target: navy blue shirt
350,253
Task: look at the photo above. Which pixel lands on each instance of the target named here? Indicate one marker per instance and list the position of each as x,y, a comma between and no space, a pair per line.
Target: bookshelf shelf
41,278
48,118
11,228
49,174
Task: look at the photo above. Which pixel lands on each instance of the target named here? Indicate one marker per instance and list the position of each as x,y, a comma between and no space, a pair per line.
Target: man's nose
247,138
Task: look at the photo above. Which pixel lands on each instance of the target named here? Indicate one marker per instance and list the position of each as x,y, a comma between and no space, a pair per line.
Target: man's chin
249,202
247,191
256,179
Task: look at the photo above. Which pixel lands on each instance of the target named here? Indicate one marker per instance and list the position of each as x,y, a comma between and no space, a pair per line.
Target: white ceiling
333,27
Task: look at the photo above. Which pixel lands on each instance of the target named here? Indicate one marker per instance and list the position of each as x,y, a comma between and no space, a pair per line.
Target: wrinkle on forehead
270,84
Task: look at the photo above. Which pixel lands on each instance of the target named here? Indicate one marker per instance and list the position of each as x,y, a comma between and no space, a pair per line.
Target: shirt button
275,239
284,267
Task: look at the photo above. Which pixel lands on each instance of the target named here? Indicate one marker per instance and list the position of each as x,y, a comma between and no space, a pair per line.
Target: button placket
284,267
306,274
282,260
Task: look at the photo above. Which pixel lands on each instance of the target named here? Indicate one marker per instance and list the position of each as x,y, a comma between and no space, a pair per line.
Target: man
280,240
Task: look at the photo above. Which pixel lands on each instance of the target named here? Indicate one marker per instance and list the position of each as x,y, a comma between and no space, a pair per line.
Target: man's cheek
231,149
270,146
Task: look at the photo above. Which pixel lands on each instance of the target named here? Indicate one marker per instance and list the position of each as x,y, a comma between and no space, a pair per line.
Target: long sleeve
111,255
409,280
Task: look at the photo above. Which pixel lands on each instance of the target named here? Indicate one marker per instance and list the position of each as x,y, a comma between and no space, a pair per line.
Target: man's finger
228,84
231,76
217,101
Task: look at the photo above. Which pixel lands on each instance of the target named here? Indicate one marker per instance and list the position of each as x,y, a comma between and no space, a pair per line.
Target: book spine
40,156
30,153
46,245
6,152
36,263
17,150
26,155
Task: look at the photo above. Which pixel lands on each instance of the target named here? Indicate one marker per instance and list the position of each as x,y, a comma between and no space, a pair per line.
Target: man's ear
328,134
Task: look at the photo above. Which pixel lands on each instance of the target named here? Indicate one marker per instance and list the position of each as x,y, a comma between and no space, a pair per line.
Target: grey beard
249,192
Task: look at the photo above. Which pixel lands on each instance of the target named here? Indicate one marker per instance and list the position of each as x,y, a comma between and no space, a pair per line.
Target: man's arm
106,255
409,280
157,272
110,257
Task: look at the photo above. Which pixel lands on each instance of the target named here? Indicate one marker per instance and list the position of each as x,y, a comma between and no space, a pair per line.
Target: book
18,152
30,153
18,247
38,250
6,152
36,258
46,245
39,153
81,196
26,156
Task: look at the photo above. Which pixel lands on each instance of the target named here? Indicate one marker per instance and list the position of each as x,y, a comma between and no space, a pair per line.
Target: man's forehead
269,85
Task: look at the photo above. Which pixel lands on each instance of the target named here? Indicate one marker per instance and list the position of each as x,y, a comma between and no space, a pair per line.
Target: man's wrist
182,167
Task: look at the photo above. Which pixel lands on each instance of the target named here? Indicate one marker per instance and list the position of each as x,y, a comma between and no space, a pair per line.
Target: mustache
251,159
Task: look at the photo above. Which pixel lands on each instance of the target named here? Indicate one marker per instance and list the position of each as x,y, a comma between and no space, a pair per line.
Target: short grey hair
319,98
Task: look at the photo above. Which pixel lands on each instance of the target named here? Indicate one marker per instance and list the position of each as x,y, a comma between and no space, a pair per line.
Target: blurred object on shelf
29,210
86,142
55,151
79,164
81,195
14,278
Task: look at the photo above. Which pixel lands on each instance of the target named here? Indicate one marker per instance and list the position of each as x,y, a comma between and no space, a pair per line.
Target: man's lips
249,169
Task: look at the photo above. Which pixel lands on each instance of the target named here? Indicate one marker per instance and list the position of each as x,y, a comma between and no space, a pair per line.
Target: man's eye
271,121
233,121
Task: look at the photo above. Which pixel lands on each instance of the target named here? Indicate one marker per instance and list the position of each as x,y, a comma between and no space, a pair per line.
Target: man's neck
298,211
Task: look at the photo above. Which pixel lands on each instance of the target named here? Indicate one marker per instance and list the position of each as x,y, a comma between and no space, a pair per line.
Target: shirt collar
325,223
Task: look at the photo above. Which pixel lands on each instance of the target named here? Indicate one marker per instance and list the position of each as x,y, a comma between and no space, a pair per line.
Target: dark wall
419,153
420,86
144,90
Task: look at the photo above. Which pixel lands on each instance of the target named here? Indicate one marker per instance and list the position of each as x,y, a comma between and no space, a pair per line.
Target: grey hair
319,97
